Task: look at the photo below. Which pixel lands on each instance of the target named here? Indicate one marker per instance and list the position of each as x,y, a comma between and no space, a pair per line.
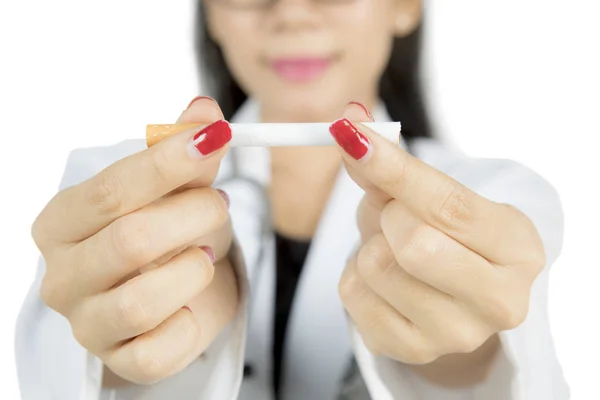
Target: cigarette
275,134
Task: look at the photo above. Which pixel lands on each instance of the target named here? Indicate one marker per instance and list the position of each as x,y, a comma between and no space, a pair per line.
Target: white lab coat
320,341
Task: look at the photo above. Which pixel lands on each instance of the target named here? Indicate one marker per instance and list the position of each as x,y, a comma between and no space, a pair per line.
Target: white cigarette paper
299,134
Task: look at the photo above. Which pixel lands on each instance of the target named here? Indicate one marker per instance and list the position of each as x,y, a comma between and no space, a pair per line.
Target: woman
360,271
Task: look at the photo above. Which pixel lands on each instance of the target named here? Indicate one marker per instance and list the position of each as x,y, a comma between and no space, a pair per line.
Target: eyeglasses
264,4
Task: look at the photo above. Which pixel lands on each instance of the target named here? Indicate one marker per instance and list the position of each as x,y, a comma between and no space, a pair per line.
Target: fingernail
209,251
187,308
211,138
195,99
225,196
350,139
365,109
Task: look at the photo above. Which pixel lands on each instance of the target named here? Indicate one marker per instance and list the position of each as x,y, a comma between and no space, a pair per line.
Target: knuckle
465,339
131,239
395,181
160,163
532,253
51,293
350,284
535,255
190,332
420,248
413,353
538,259
150,368
389,343
455,210
38,232
105,193
374,259
213,209
206,270
216,208
131,313
507,311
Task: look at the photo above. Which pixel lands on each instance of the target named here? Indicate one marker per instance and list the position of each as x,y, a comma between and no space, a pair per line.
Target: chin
308,103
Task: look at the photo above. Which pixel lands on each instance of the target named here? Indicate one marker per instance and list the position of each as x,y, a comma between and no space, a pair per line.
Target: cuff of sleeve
94,369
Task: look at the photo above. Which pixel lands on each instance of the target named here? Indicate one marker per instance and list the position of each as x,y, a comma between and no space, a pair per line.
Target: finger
440,261
144,302
378,267
218,303
480,224
198,113
383,329
441,318
133,182
175,343
160,353
135,240
218,240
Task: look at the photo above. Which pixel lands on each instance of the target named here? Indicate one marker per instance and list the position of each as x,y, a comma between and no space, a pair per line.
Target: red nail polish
212,137
350,139
225,196
195,99
187,308
365,109
209,251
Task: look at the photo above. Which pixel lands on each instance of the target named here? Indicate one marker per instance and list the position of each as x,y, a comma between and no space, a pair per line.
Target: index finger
480,224
133,182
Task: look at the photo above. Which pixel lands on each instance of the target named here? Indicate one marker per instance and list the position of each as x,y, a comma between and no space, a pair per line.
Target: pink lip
300,69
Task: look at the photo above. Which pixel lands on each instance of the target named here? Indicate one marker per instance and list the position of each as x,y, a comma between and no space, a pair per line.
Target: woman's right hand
130,254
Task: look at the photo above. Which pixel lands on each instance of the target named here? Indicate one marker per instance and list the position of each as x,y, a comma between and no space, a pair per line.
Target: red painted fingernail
225,196
365,109
195,99
187,308
210,252
350,139
211,138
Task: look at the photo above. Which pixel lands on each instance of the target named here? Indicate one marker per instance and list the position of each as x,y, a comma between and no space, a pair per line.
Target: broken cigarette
275,134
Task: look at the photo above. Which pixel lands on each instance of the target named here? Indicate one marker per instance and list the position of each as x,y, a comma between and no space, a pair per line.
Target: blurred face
306,59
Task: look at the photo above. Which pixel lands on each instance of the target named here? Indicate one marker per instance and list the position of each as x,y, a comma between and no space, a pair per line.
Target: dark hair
399,86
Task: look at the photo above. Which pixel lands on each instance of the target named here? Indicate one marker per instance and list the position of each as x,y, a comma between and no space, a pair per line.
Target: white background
513,79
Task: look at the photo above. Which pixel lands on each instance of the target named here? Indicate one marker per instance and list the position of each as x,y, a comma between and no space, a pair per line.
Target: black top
291,255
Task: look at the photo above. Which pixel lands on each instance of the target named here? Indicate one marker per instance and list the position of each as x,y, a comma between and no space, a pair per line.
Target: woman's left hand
440,269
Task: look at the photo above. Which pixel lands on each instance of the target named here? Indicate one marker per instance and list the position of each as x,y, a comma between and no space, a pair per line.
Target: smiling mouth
301,69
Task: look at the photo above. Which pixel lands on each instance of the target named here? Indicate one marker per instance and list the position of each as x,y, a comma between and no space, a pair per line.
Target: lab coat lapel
318,344
252,164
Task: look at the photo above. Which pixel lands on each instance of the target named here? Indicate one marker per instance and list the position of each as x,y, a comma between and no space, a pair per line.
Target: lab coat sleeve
527,366
51,364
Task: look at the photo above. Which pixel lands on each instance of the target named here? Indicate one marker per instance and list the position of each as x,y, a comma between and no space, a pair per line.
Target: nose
295,14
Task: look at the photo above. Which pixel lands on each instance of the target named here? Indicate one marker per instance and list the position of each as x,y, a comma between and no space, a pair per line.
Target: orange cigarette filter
156,133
